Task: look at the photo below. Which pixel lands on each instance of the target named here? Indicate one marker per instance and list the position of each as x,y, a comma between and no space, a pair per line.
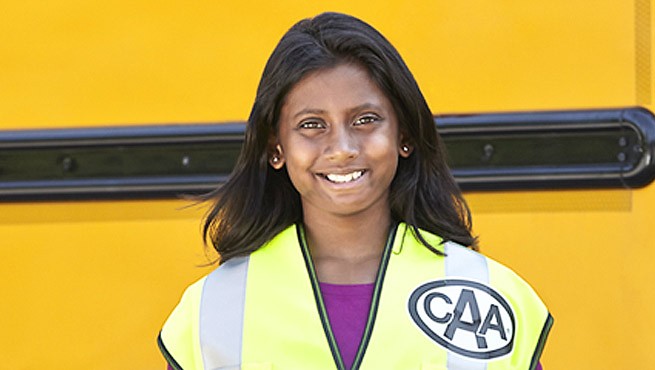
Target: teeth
344,178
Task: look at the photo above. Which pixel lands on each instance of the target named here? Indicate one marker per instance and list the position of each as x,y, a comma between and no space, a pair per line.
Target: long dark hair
257,202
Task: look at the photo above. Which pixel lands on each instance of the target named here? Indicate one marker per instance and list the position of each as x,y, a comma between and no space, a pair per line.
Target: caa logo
464,316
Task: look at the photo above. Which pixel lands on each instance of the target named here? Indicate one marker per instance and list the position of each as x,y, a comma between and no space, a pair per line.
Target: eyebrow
309,111
350,111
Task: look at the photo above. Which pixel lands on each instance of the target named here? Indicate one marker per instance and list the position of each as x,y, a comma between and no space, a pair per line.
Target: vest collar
318,297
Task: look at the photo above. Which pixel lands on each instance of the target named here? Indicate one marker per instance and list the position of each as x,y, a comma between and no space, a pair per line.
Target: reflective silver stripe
221,315
463,262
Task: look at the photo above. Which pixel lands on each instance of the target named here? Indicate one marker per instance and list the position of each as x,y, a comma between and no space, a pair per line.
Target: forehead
341,87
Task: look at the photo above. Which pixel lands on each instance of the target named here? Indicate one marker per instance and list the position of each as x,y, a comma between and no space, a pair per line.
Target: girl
342,234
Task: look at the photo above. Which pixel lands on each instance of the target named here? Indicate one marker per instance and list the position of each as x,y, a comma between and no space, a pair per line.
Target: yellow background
86,285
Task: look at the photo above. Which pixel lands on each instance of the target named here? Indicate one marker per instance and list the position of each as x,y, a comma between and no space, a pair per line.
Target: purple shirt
347,308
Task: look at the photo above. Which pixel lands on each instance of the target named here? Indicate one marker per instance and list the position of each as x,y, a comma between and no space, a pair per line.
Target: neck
347,249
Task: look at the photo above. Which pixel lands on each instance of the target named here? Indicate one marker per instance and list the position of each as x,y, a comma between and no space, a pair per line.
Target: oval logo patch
465,317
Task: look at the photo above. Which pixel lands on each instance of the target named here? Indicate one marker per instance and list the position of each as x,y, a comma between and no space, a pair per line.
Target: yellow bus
109,111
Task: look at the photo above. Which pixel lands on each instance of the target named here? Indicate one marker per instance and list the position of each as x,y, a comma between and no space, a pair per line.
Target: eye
367,119
311,124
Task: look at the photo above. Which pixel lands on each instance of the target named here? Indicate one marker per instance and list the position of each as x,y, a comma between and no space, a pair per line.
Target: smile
343,178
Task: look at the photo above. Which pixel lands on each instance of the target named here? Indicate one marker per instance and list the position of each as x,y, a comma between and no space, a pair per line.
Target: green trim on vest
542,342
285,325
169,358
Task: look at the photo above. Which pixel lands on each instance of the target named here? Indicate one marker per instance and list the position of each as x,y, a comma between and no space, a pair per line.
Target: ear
275,154
405,148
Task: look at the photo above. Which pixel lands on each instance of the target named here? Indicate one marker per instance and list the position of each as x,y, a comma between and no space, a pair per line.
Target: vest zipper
322,311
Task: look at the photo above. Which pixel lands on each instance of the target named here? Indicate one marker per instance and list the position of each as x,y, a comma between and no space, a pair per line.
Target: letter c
428,309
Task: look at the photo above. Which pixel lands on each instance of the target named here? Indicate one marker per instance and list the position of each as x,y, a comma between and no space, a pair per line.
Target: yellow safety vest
265,311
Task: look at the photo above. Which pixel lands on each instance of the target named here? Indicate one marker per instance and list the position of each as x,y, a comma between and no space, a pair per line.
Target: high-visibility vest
265,311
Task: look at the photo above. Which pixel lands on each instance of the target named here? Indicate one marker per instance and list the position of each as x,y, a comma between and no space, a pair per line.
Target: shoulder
464,262
228,279
187,306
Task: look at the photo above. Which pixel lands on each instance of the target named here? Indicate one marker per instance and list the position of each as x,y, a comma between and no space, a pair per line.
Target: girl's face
340,141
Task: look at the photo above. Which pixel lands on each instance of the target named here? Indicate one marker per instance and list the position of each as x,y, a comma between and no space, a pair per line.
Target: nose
342,146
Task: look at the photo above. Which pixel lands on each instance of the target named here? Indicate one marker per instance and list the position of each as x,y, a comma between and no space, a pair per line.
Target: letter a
466,298
493,314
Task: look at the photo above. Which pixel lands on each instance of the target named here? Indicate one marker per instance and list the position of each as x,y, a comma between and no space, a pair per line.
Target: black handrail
495,151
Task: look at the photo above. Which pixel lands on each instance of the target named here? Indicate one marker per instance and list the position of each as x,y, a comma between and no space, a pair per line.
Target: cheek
298,154
384,150
298,163
383,147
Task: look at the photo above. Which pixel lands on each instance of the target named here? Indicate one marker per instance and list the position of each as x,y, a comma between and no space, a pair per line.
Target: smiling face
339,140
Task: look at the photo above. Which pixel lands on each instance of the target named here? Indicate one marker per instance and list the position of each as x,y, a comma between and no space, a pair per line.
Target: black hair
257,202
